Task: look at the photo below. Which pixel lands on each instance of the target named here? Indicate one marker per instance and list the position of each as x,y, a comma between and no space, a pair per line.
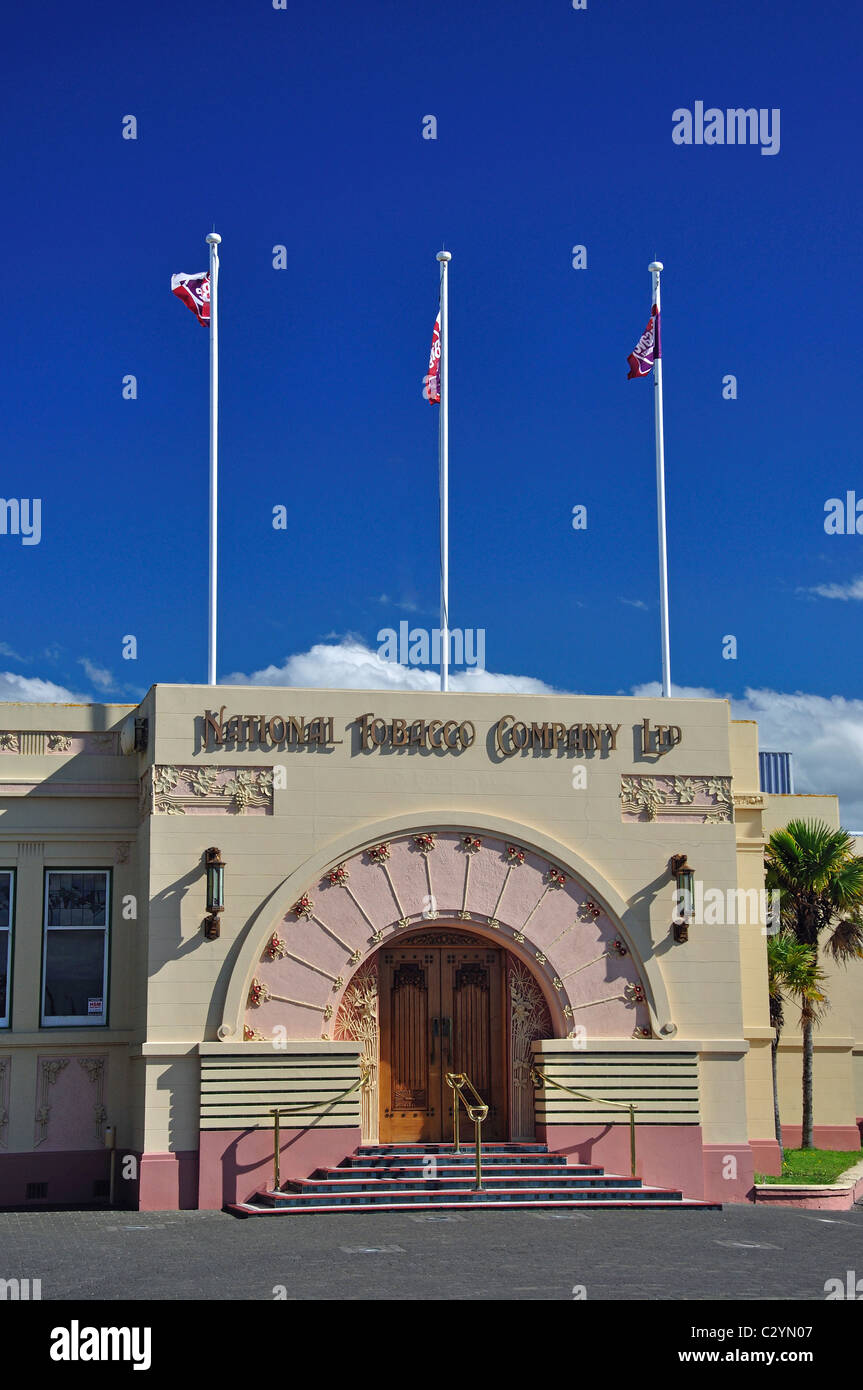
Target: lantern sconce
215,893
685,879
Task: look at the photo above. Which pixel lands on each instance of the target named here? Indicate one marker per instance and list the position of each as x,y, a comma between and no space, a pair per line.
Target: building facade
412,884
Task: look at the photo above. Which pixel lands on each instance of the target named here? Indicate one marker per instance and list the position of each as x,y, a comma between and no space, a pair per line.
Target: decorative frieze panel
692,800
207,791
36,742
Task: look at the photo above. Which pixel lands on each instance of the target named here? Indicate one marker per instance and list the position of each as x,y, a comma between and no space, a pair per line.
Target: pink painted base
667,1156
234,1164
168,1182
766,1157
826,1137
729,1173
71,1179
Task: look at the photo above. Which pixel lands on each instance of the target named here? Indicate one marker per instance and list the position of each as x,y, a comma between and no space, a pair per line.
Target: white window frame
9,928
76,1020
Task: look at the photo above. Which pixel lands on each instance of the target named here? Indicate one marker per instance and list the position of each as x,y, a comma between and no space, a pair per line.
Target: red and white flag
194,291
431,382
647,349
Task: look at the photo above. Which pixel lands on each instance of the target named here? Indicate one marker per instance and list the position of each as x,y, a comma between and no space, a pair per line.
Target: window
7,892
75,976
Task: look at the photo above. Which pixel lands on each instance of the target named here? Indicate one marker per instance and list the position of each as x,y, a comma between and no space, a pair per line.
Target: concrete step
456,1170
456,1184
481,1204
429,1193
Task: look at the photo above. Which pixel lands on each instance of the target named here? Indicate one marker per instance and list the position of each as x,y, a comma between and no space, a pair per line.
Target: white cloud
351,665
407,605
841,591
824,733
97,674
634,603
27,688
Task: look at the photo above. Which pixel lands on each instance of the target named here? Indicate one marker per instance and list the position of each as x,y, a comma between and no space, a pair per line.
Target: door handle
434,1034
446,1032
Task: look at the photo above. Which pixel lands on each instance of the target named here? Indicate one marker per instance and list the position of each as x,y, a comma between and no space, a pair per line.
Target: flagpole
443,453
213,240
656,268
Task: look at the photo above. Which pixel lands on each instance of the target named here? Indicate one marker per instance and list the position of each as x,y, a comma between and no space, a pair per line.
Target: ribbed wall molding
663,1086
238,1089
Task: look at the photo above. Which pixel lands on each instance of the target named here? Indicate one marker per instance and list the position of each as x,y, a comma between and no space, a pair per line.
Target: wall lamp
215,893
685,879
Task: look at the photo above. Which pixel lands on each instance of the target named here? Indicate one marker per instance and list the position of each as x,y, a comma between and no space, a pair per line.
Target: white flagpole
656,268
213,239
443,451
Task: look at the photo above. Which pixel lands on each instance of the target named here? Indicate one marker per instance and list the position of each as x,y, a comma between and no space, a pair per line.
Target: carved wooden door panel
410,1066
472,997
440,1010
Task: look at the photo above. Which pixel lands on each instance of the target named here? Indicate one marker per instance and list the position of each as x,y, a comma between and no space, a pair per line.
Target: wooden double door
442,1009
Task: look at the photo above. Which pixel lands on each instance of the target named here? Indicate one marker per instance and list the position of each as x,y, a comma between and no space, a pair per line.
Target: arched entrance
537,950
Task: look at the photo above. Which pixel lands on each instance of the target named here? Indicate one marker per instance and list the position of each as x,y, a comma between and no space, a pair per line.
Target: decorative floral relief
49,1069
378,854
59,743
208,790
357,1021
514,854
704,800
258,993
95,1069
529,1021
165,780
10,743
424,843
338,876
303,907
275,948
471,843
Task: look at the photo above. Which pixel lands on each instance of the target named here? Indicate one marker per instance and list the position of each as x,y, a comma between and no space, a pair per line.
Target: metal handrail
457,1081
537,1075
303,1107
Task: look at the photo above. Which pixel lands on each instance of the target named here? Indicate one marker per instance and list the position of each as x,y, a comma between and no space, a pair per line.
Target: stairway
432,1177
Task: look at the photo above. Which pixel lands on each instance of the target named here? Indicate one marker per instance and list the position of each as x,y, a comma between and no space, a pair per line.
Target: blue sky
303,127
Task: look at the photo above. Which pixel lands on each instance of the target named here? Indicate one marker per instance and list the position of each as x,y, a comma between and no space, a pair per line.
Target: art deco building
212,910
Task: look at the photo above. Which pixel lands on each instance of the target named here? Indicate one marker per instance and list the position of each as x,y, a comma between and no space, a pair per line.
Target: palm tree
820,881
793,972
